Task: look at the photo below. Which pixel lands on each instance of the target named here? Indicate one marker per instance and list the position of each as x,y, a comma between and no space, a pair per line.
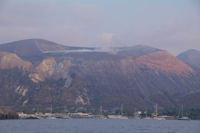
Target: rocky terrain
36,74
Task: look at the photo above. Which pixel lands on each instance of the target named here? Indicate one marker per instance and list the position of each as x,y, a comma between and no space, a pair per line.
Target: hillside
191,57
136,51
35,47
137,77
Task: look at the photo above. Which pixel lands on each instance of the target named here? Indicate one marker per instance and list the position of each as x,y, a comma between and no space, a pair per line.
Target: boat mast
51,108
182,110
101,110
121,109
156,109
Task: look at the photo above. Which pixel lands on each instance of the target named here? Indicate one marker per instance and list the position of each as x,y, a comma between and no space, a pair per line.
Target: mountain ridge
34,47
137,77
191,57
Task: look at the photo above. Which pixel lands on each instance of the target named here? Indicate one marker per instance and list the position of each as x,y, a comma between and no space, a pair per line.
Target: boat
184,118
156,117
159,118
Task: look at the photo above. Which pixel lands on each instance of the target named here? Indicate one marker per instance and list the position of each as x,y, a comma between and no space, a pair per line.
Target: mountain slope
137,79
10,61
191,57
164,62
35,47
136,51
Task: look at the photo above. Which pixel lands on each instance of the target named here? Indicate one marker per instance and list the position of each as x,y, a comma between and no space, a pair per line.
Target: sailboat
182,116
156,114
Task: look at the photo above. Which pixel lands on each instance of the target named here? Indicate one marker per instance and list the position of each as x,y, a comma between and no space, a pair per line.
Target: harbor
81,115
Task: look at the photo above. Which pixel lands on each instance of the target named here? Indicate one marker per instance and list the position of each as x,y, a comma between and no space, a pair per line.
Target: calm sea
98,126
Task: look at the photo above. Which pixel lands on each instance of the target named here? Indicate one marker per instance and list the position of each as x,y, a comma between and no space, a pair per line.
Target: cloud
106,38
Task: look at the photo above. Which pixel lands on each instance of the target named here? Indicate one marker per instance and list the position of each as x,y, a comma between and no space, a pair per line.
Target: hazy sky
173,25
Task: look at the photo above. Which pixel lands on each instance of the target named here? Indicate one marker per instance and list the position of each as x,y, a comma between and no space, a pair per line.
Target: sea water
99,126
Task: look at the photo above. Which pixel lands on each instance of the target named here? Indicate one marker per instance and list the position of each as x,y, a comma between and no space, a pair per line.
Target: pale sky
173,25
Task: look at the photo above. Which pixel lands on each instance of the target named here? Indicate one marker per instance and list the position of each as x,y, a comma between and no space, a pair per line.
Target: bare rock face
45,69
10,60
83,98
62,69
49,68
